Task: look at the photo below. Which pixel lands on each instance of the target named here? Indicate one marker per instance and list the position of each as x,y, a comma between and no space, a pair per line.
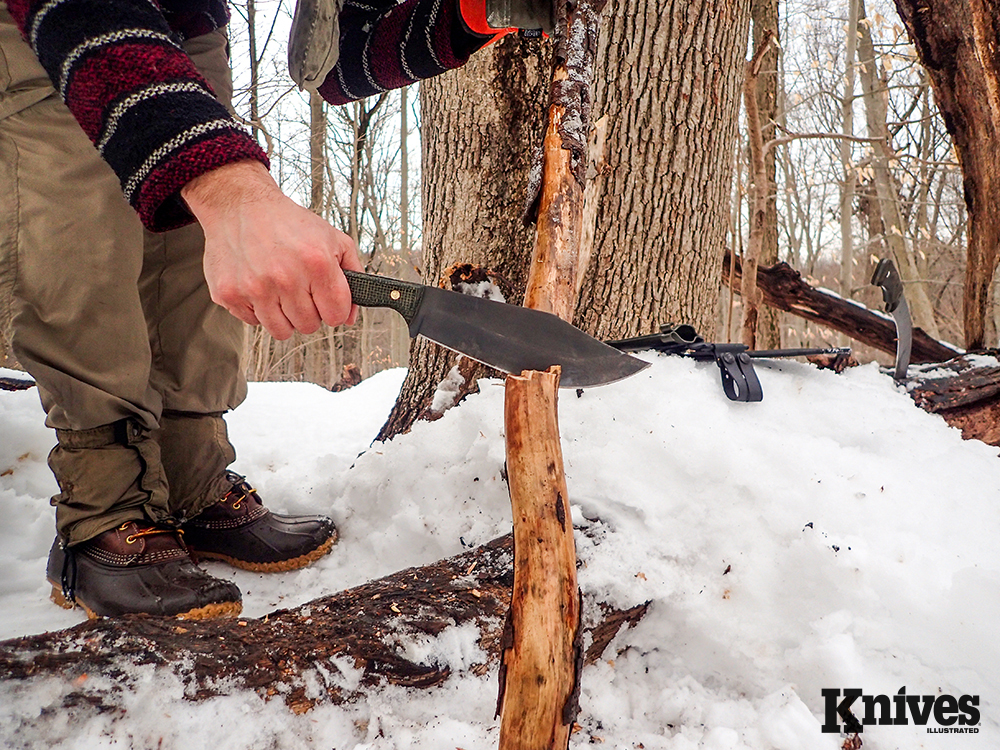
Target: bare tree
895,230
475,163
956,41
846,155
663,209
765,24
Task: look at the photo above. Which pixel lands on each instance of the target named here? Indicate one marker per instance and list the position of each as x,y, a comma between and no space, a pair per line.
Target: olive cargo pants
134,363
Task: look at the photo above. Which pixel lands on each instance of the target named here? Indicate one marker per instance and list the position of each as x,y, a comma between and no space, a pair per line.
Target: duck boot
138,568
238,529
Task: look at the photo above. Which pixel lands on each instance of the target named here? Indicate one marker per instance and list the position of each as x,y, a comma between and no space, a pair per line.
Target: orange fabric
474,15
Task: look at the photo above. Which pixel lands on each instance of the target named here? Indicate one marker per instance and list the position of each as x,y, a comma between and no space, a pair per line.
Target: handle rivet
394,294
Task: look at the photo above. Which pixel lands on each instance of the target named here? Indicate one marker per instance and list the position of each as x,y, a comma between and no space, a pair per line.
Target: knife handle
887,278
369,290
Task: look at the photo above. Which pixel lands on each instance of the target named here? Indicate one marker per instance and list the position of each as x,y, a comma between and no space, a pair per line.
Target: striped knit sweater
120,68
385,45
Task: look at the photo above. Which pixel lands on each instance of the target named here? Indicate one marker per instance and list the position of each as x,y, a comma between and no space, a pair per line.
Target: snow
831,536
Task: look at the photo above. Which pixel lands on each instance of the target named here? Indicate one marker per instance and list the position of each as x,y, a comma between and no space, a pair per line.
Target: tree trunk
404,175
895,229
254,67
660,215
846,158
317,153
475,164
668,80
758,199
764,14
956,41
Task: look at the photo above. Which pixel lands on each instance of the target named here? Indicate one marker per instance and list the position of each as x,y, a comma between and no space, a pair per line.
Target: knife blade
508,337
887,278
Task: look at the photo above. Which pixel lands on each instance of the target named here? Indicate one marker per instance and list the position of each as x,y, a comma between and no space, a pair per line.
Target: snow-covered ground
831,536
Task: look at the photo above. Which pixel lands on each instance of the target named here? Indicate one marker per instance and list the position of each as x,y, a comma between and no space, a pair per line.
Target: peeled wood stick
539,667
539,674
555,259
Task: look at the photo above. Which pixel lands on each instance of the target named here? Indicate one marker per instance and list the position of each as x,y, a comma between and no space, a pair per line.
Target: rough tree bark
475,164
666,88
667,79
758,200
956,41
968,399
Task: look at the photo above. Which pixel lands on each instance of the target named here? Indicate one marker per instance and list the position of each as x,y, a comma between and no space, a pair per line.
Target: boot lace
138,533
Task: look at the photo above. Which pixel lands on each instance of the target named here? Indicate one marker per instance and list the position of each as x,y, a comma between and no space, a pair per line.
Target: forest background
840,80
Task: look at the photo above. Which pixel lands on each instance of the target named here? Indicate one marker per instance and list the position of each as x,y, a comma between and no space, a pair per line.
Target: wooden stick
541,651
539,673
552,277
758,204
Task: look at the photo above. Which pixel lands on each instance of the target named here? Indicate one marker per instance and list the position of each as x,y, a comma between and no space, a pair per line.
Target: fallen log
965,391
346,643
784,288
16,384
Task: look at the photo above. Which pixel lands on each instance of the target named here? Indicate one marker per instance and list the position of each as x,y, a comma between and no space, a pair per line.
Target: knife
887,278
508,337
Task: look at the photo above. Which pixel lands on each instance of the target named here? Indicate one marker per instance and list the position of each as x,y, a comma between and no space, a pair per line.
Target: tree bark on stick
552,276
539,672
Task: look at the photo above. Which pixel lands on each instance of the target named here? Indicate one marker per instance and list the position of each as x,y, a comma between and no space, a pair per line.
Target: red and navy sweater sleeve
119,67
385,45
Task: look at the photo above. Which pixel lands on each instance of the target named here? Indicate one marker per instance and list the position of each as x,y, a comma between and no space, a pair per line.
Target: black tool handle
888,279
807,352
369,290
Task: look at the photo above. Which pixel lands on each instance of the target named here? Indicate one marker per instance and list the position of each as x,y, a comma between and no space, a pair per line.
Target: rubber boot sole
275,567
214,611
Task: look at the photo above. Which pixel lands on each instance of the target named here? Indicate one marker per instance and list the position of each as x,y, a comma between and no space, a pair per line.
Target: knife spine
368,290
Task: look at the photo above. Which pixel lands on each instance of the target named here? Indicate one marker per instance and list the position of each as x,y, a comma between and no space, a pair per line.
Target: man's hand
269,261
